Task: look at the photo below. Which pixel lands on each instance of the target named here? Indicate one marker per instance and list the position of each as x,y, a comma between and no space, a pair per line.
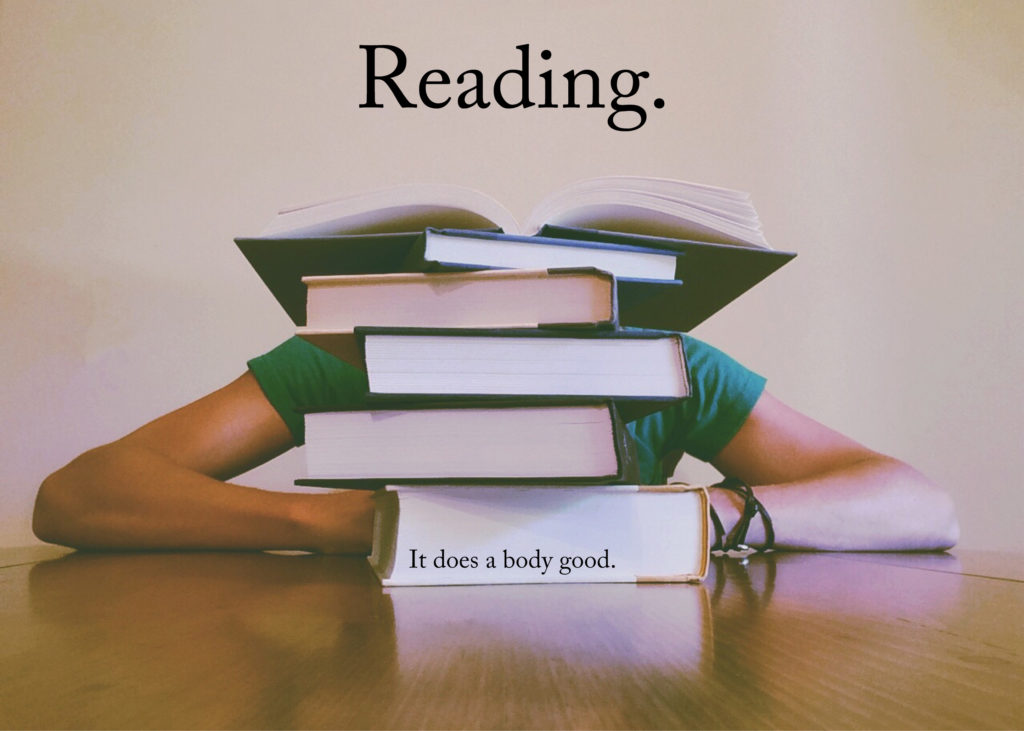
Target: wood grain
238,640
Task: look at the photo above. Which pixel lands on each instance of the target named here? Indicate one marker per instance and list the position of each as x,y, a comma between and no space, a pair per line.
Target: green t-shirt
296,376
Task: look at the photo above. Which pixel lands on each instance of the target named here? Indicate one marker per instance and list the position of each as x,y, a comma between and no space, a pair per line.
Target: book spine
625,450
385,534
612,323
415,260
518,332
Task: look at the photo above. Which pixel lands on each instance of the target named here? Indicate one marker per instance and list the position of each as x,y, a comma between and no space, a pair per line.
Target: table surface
252,640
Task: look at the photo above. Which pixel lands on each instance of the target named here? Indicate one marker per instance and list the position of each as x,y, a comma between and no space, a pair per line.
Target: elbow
947,525
46,515
937,524
61,505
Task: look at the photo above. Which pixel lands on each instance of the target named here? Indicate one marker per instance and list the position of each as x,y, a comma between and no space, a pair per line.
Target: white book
476,442
465,248
477,534
614,364
490,298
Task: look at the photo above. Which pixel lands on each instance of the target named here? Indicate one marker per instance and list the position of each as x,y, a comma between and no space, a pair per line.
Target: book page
410,207
654,207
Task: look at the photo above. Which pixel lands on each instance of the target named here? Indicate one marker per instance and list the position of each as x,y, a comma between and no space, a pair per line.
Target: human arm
164,486
824,491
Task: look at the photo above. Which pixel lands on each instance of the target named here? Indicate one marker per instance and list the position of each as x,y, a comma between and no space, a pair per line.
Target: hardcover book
643,371
569,441
475,534
487,299
461,248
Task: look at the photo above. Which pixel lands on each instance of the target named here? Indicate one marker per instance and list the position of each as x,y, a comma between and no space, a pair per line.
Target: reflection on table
232,640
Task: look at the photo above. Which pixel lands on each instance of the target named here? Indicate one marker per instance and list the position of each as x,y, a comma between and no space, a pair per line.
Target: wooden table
237,640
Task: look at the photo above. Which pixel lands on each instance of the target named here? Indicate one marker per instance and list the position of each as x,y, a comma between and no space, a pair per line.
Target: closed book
478,534
489,299
643,371
577,441
455,248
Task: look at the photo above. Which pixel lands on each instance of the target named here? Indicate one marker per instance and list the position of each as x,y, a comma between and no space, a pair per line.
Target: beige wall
881,140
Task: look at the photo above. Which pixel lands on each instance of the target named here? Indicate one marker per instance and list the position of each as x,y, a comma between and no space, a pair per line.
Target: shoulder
297,376
723,393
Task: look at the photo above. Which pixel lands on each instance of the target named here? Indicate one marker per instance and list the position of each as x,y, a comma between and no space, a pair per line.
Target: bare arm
825,491
163,486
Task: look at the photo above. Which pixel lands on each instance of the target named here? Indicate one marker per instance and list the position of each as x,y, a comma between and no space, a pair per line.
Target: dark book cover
282,262
713,275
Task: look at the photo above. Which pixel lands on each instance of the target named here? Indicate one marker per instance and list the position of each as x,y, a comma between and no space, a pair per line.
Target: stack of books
503,367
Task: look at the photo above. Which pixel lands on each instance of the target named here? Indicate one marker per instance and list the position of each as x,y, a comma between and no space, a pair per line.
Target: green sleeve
296,376
723,394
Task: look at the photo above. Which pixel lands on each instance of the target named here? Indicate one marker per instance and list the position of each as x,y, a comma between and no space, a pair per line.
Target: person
167,484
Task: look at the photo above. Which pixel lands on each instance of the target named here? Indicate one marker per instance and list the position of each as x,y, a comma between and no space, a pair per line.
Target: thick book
571,441
441,535
643,371
518,298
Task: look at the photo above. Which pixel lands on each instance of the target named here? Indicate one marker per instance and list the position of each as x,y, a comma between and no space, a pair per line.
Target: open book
638,205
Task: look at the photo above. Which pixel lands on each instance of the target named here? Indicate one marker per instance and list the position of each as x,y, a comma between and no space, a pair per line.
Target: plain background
882,141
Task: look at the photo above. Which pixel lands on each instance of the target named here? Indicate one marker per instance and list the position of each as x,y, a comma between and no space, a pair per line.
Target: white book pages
631,204
402,208
546,534
474,251
493,298
461,443
449,364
